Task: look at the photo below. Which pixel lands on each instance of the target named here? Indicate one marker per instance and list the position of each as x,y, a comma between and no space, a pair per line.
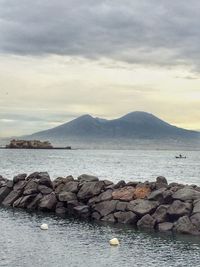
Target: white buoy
114,242
44,226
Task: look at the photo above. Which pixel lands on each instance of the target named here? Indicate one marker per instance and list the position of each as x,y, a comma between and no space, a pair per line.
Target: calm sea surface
77,243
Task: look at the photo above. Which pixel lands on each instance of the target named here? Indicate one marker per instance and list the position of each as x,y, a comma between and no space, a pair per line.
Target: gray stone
10,199
82,211
157,195
45,190
185,226
142,206
48,202
160,215
71,186
23,201
67,196
178,209
161,180
107,182
20,185
106,207
96,216
31,188
19,177
195,219
4,192
109,218
90,189
87,178
44,179
186,194
127,217
107,195
121,206
196,208
61,211
34,203
9,184
120,184
146,222
165,226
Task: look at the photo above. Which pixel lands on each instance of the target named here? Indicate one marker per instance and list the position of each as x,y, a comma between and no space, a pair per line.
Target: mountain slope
135,125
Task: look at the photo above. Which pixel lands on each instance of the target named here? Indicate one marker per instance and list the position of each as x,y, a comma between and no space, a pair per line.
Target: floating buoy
44,226
114,242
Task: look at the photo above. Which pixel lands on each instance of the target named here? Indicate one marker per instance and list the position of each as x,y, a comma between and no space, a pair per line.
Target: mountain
133,126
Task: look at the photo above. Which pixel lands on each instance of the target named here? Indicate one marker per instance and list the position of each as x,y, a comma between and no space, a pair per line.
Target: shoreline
155,206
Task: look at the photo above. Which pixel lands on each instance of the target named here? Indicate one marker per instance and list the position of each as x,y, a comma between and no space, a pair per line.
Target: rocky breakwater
150,205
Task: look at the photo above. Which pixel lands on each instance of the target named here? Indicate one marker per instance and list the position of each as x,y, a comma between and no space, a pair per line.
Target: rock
196,208
48,202
61,180
23,201
160,215
106,207
96,216
19,177
121,206
142,206
165,226
167,196
90,189
45,190
11,198
178,209
133,184
195,219
120,184
71,186
20,185
44,179
127,217
114,242
107,195
61,211
4,192
67,196
142,192
87,178
31,188
107,182
82,211
185,226
9,184
34,203
157,195
186,194
44,226
125,194
161,180
109,218
146,222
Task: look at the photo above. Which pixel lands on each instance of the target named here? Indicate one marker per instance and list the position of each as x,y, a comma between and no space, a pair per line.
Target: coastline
155,206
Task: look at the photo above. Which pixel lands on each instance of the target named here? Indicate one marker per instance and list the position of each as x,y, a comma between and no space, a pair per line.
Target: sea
74,243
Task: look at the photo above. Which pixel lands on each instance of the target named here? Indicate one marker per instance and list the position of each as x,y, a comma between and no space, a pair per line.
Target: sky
60,59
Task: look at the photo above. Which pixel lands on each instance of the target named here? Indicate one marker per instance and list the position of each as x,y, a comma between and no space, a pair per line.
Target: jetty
155,206
32,144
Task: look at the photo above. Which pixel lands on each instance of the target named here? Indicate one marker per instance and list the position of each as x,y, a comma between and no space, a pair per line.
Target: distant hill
133,126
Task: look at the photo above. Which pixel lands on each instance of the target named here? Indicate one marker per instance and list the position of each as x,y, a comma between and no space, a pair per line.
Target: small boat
180,157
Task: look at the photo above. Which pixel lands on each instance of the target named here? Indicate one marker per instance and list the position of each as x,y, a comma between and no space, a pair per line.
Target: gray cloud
142,31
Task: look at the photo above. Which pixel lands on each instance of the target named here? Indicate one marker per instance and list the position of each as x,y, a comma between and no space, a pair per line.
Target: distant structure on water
29,144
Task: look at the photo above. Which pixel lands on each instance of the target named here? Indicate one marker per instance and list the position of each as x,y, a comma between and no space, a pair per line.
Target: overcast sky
63,58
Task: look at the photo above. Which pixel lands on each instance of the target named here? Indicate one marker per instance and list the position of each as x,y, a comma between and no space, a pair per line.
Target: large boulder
45,190
20,185
157,195
160,215
106,207
186,193
34,203
121,205
142,206
127,217
11,198
124,194
19,177
146,222
196,208
195,219
185,226
87,178
23,201
71,186
178,209
48,202
141,192
119,184
4,192
90,189
44,179
106,195
161,180
31,188
82,211
109,218
165,226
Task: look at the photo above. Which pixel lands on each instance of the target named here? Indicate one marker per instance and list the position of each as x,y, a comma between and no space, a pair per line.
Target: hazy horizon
60,60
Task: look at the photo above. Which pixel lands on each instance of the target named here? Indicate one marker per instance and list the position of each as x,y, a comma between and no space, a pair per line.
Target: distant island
32,144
